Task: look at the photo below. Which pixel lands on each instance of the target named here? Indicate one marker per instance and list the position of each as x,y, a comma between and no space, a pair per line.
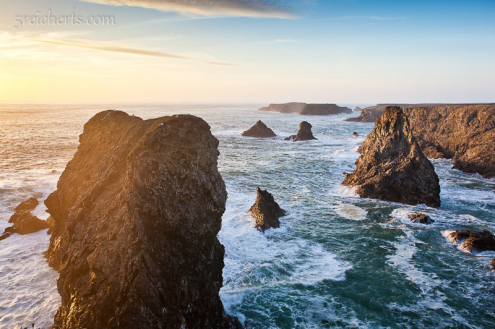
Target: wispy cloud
245,8
125,50
373,18
286,41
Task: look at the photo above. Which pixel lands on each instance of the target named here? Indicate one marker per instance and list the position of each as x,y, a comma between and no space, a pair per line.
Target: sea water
337,260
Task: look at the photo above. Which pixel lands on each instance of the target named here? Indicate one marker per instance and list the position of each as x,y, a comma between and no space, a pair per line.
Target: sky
247,51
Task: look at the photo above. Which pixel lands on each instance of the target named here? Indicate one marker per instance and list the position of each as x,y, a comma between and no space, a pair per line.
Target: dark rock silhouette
473,241
323,109
421,218
259,130
304,133
493,263
24,221
355,134
266,211
137,211
392,166
307,109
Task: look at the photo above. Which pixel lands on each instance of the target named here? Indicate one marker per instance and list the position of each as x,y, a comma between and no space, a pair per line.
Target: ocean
337,260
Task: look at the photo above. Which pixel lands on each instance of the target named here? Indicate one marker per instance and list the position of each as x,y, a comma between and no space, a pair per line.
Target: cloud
126,50
244,8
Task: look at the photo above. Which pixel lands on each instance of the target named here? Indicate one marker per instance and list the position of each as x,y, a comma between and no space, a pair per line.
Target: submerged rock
266,211
137,212
473,241
259,130
304,133
24,221
355,134
421,218
392,166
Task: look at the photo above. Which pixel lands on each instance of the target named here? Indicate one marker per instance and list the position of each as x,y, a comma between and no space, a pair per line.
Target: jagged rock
266,211
137,211
355,134
357,109
307,109
371,113
392,166
25,222
473,241
465,133
421,218
304,133
259,130
323,109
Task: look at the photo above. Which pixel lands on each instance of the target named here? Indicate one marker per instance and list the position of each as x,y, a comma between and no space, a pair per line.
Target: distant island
307,109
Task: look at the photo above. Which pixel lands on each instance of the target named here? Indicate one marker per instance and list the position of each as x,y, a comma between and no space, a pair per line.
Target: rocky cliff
307,109
465,133
259,130
371,113
392,166
136,213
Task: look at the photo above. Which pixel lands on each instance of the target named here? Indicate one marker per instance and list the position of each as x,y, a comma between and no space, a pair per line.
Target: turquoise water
337,260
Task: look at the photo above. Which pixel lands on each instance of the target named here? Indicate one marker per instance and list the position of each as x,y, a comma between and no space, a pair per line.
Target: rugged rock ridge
266,211
465,133
392,166
307,109
136,213
24,221
371,113
259,130
473,241
304,133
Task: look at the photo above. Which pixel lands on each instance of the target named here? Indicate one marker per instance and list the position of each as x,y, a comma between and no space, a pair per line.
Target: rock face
465,133
304,133
371,113
284,108
259,130
307,109
266,211
421,219
136,213
392,166
323,109
25,222
357,109
473,241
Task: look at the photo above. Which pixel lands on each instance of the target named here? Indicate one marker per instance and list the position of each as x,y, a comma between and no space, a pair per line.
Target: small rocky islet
115,200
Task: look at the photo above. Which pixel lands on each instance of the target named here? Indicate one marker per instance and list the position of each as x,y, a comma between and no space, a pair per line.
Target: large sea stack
304,133
323,109
137,212
259,130
392,166
284,108
266,211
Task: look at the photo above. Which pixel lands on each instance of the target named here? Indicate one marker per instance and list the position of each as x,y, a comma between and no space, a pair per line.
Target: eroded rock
24,222
259,130
137,211
473,241
304,133
392,166
266,211
421,218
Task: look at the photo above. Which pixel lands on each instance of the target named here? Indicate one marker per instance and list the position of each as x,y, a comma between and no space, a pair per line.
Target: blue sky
357,51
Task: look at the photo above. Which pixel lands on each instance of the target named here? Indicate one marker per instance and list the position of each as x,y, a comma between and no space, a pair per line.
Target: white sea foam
350,211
